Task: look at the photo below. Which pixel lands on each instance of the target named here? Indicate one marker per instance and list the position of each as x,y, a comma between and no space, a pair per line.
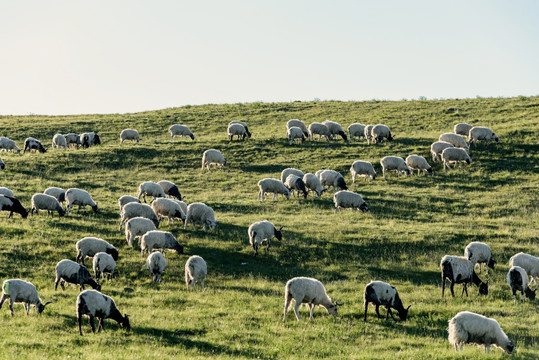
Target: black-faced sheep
168,208
89,139
243,124
308,291
46,202
335,129
460,270
236,129
319,129
288,171
89,246
312,183
33,144
332,178
20,291
394,163
275,186
8,144
170,189
381,293
528,262
517,278
213,156
347,199
100,306
81,198
150,188
180,130
156,239
481,133
11,204
295,133
454,156
379,132
263,230
71,272
294,182
300,124
201,213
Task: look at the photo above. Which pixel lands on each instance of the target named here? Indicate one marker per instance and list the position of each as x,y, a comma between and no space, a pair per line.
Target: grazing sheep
46,202
332,178
289,171
348,199
126,199
58,193
180,130
100,306
436,149
103,264
59,140
294,182
381,293
20,291
308,291
243,124
312,183
263,230
159,239
518,281
71,272
12,204
200,212
481,133
467,327
195,269
478,252
156,263
394,163
356,129
319,129
81,198
379,132
236,129
456,140
168,208
129,134
454,156
170,189
150,188
72,139
460,270
213,156
419,163
300,124
363,169
33,144
275,186
335,129
137,227
133,209
462,129
8,144
295,133
89,246
529,263
368,133
5,191
89,139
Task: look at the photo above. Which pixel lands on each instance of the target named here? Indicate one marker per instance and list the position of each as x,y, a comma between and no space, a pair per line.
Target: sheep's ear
408,308
281,228
47,303
338,303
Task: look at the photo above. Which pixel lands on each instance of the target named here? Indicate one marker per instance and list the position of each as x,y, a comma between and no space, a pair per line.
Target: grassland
413,222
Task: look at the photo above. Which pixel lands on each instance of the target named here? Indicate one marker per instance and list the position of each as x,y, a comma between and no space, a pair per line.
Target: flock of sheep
142,220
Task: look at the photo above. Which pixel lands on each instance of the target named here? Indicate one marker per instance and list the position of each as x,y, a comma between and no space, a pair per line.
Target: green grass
413,222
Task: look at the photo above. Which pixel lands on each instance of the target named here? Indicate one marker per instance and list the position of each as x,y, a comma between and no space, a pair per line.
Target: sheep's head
363,207
192,136
496,138
212,224
491,263
40,307
113,252
2,166
343,135
97,140
125,323
333,308
94,208
389,137
429,170
530,294
278,233
403,314
509,347
483,288
469,160
179,249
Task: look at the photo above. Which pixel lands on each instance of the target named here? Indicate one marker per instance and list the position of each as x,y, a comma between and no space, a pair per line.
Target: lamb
159,239
319,129
478,252
348,199
58,193
335,128
200,212
180,130
89,246
46,202
72,139
12,204
137,227
241,123
6,191
195,269
455,155
518,281
103,264
236,130
89,139
462,129
33,144
312,183
456,140
100,306
275,186
310,291
294,133
529,263
436,149
263,230
368,133
20,291
126,199
481,133
419,163
150,188
213,156
59,140
381,293
129,134
168,208
460,270
294,182
356,129
332,178
300,124
8,144
156,263
379,132
289,171
71,272
469,327
170,189
363,169
132,210
81,198
394,163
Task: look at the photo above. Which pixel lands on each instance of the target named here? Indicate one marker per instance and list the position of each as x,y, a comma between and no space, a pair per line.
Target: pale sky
79,57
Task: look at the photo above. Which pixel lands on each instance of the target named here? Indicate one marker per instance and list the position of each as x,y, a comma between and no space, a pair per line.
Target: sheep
33,144
263,230
103,264
363,169
319,129
310,291
295,133
100,306
2,165
8,144
236,130
289,171
335,129
455,155
469,327
180,130
394,163
381,293
419,163
294,182
195,269
46,202
170,189
71,272
481,133
126,199
59,140
89,139
478,252
462,129
137,227
529,263
518,280
58,193
460,270
20,291
332,178
379,132
213,156
300,124
436,149
156,263
275,186
368,133
133,209
356,129
200,212
168,208
150,188
129,134
243,124
159,239
312,183
89,246
72,139
81,198
456,140
6,191
12,204
348,199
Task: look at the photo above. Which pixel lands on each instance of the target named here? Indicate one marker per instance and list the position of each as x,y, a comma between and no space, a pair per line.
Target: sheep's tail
457,334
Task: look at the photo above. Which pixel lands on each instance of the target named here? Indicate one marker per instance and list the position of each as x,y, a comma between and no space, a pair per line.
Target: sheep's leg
487,348
172,138
268,245
296,309
193,282
378,311
390,313
464,289
27,308
273,198
287,302
92,323
11,302
311,307
79,318
100,324
4,297
366,304
451,288
202,283
443,287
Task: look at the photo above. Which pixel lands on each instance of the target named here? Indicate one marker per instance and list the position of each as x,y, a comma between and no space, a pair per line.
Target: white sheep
58,141
134,209
368,133
8,144
275,186
168,208
79,197
517,278
156,239
456,140
332,178
347,199
436,149
71,272
454,156
150,188
379,132
294,182
129,134
312,183
170,189
33,144
481,133
89,139
244,125
394,163
236,129
100,306
20,291
289,171
103,264
335,128
126,199
90,245
300,124
294,133
478,252
46,202
467,327
460,270
156,263
200,212
263,230
213,156
137,227
58,193
462,129
381,293
5,191
308,291
319,129
363,169
356,129
529,263
180,130
72,139
195,269
419,163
